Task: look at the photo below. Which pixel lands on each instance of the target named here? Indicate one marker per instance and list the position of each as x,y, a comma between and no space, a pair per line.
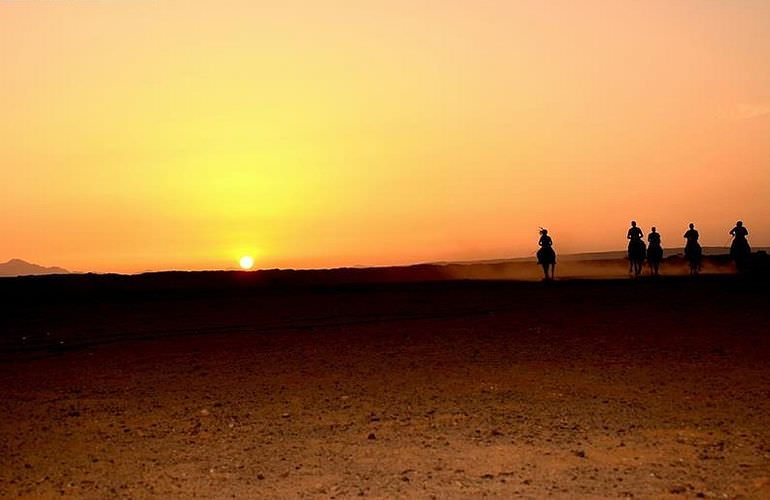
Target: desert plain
445,389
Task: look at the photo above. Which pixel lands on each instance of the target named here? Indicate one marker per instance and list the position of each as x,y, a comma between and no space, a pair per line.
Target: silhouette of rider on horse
546,256
654,251
740,251
636,249
692,250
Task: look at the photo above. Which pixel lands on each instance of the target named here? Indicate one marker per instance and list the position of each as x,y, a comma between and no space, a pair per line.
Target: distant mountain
18,267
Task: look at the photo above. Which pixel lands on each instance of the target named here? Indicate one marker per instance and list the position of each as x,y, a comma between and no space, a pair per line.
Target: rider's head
692,226
633,223
543,231
739,223
653,229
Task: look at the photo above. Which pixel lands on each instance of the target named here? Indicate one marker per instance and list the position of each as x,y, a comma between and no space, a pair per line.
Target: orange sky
157,134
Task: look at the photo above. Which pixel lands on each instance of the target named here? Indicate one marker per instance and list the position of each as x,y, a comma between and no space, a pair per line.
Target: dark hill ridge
169,284
18,267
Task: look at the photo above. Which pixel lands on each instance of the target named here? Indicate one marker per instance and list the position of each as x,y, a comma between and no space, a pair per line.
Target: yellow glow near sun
247,262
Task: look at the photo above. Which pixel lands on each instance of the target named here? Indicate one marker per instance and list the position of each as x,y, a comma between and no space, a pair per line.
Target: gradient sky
158,134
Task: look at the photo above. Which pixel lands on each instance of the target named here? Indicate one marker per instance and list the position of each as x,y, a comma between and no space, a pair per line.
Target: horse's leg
742,264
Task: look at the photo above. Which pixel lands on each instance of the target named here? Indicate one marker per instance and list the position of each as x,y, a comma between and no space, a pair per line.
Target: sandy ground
453,390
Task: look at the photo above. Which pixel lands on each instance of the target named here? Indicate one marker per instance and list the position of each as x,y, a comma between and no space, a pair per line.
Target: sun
247,262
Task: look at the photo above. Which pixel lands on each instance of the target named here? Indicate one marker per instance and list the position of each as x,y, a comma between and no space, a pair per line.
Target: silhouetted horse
693,252
654,251
636,254
740,251
546,256
636,249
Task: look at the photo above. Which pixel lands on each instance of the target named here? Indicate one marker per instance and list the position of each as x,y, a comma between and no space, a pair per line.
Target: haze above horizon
167,134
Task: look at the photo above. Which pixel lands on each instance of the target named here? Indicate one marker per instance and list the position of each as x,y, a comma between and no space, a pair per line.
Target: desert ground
456,389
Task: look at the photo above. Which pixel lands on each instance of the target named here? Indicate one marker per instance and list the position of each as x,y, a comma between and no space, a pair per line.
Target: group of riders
652,251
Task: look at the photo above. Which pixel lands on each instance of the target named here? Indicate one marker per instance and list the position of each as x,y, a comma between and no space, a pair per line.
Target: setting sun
247,262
